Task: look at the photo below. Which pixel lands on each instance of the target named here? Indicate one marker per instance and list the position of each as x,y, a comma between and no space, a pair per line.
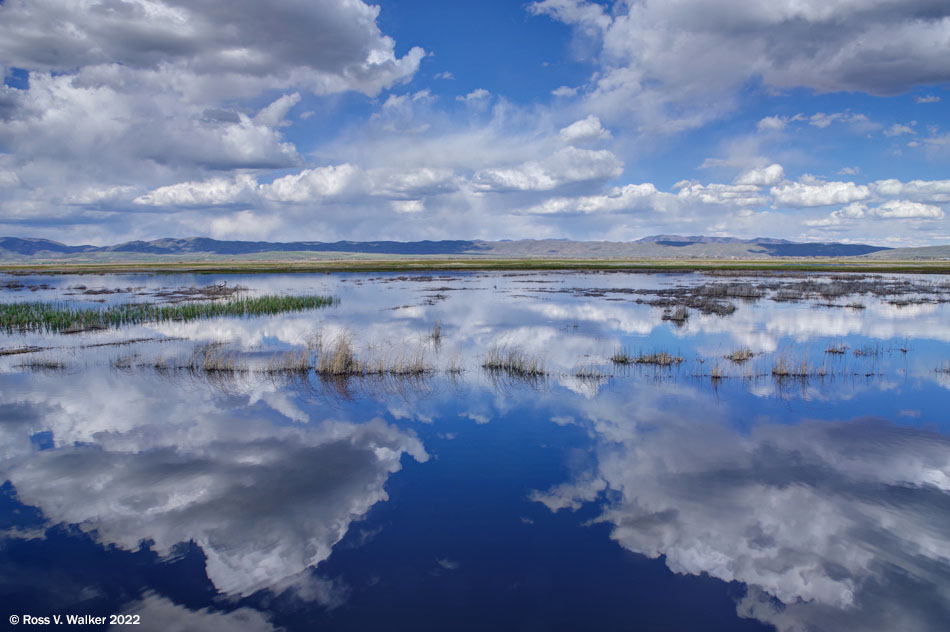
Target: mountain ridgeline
657,246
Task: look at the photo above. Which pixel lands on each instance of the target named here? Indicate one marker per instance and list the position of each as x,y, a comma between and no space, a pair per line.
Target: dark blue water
709,495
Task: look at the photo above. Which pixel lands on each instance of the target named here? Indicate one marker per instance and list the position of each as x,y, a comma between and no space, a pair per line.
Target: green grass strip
61,317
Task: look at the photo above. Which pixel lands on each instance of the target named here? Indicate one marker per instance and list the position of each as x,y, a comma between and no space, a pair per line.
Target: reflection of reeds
591,372
944,368
869,351
513,361
455,366
42,364
837,348
739,356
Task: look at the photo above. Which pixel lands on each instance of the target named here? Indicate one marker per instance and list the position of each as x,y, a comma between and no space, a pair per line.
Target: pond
482,450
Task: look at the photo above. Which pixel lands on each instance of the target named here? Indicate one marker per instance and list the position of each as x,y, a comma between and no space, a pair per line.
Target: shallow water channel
508,451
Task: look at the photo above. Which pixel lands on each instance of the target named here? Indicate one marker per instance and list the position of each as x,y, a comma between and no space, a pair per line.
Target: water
707,495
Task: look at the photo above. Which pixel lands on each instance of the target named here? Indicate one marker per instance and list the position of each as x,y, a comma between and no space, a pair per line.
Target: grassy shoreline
460,264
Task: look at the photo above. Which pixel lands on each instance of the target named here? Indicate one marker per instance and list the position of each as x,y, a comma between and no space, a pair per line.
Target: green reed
63,317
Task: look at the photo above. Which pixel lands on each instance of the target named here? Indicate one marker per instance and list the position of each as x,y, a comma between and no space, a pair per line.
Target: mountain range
656,246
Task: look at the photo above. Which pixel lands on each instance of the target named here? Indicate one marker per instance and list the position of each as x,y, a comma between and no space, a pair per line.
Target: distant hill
656,246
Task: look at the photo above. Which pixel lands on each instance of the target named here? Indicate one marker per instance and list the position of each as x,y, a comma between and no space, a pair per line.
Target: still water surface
706,495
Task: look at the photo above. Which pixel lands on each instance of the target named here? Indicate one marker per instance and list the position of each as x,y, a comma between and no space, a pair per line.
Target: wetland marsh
510,450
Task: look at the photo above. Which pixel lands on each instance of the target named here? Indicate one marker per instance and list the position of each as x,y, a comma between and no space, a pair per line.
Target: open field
386,264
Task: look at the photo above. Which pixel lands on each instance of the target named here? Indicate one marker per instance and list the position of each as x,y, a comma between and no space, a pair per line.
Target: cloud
771,175
772,123
477,95
928,99
837,520
235,48
408,206
263,500
808,194
902,209
567,165
564,91
915,190
570,495
157,613
314,184
630,197
214,192
733,194
143,103
897,129
676,66
890,210
586,130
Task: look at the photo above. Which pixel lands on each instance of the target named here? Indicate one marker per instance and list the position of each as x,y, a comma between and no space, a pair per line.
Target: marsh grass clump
657,359
739,356
662,358
215,358
513,361
622,356
65,318
338,358
784,367
292,361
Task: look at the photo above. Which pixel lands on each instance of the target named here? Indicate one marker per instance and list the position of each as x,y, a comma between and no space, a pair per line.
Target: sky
817,120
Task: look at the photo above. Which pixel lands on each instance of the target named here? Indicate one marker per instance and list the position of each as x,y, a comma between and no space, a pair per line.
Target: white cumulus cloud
584,131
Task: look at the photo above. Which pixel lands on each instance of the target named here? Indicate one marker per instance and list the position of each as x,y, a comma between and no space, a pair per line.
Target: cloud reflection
842,522
263,499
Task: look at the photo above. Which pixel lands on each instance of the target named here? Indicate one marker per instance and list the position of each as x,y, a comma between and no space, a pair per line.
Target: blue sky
337,119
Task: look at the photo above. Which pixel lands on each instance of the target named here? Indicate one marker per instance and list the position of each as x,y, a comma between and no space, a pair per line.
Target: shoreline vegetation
60,317
441,263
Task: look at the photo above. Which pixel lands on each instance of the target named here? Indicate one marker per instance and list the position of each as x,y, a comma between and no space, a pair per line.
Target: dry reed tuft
513,361
784,367
740,355
215,358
